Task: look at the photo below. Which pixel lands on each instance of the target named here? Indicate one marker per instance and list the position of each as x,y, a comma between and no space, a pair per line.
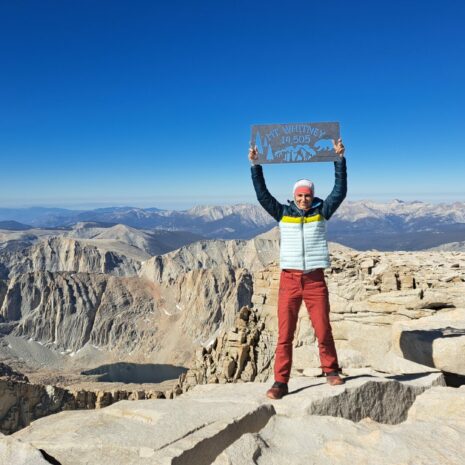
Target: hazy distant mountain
409,211
37,216
362,225
238,221
224,222
397,225
13,226
450,247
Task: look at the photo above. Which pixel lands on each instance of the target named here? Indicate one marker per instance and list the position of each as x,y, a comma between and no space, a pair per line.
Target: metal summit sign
295,142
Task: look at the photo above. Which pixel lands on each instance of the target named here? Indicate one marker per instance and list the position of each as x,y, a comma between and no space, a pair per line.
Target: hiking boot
333,378
277,391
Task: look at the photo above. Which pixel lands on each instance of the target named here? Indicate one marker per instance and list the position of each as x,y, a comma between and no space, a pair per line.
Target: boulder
437,341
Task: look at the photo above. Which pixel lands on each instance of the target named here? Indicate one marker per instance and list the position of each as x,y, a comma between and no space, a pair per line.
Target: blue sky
150,103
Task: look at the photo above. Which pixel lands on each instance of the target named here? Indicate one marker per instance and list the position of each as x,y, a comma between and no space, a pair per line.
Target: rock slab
199,427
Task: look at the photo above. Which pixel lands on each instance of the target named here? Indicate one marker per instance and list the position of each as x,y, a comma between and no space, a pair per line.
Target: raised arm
339,192
266,200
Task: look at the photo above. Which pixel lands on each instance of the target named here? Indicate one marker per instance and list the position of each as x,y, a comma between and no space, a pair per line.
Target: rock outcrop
240,354
7,373
216,422
432,434
369,292
22,402
437,341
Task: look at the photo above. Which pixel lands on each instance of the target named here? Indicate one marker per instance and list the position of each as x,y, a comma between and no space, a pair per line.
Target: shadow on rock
135,373
295,391
346,378
49,458
409,376
454,380
351,377
417,345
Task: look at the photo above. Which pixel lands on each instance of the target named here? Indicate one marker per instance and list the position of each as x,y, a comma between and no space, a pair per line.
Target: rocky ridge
379,301
58,254
68,296
237,424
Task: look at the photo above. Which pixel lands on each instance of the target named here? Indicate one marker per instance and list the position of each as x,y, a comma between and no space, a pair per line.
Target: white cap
304,183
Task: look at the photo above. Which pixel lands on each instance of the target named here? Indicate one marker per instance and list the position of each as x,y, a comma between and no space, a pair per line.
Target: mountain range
220,222
362,225
397,225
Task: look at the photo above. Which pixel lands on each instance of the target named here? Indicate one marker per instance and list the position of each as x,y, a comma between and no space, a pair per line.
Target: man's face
303,200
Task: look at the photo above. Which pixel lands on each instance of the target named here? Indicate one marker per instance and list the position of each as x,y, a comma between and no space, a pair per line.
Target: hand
253,154
339,147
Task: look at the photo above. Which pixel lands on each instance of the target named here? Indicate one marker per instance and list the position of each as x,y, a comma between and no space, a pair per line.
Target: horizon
103,104
180,203
205,205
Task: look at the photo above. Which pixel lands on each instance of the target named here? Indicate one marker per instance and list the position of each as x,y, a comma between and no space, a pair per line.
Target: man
303,257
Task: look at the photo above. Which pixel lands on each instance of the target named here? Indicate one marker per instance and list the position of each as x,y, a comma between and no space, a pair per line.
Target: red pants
311,287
